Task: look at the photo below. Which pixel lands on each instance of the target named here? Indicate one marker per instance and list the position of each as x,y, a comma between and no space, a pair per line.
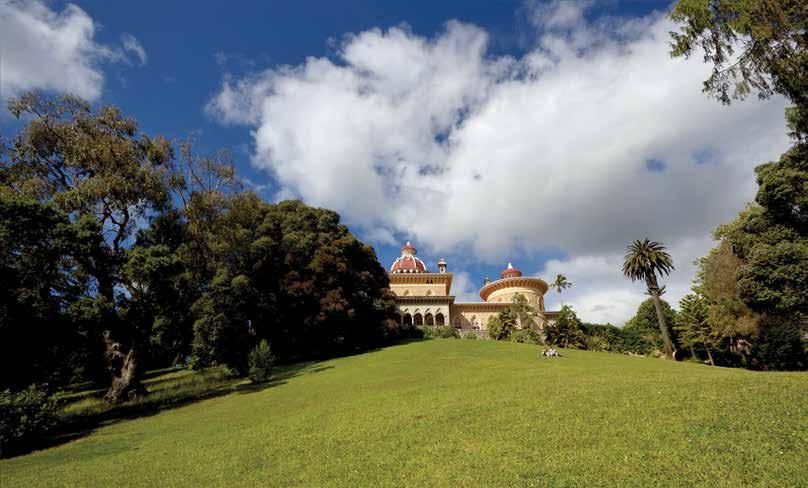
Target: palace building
425,298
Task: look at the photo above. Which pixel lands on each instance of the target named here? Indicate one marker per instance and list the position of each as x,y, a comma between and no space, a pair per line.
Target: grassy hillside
459,413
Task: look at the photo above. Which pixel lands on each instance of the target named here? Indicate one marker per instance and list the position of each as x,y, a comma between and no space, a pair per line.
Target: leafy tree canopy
646,323
753,45
565,331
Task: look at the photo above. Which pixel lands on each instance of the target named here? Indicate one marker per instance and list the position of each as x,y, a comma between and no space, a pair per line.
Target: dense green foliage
527,335
43,323
436,413
565,331
25,417
261,362
119,252
294,275
693,326
607,337
102,176
441,332
755,282
771,238
753,45
500,327
646,322
517,322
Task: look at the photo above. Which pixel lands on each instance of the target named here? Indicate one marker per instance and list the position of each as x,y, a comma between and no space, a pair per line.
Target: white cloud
438,140
558,15
131,44
41,49
464,288
600,293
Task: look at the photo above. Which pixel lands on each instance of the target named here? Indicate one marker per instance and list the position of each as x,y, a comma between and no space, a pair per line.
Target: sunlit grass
167,389
456,413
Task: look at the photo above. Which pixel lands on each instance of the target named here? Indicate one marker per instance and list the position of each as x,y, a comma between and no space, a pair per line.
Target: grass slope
459,413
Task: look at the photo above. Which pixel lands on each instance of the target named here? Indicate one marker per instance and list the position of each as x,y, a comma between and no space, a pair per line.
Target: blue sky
536,153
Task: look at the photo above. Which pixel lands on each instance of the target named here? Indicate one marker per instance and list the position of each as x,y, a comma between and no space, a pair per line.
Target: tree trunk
126,385
663,327
709,355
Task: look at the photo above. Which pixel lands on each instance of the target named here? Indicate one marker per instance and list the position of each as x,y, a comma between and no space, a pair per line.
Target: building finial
510,266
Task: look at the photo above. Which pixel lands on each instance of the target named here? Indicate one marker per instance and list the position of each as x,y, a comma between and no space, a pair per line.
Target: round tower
510,283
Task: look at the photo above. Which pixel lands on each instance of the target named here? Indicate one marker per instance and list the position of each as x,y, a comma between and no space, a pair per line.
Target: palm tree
644,260
560,284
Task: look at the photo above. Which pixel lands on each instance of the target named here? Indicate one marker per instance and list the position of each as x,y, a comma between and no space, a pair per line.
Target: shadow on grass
175,389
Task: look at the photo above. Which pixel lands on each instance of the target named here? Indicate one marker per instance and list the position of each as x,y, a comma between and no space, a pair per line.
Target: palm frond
645,259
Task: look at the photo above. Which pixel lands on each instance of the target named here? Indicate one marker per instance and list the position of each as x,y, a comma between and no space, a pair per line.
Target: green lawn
458,413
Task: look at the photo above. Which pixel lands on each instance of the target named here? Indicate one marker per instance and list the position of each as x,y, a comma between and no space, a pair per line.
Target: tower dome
511,284
408,262
510,272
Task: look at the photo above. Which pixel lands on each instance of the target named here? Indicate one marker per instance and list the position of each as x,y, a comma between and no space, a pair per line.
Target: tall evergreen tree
693,325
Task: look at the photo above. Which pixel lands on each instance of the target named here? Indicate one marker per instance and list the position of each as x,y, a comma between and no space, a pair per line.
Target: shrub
25,418
261,361
445,332
501,326
526,336
471,335
566,330
596,343
634,342
415,333
780,346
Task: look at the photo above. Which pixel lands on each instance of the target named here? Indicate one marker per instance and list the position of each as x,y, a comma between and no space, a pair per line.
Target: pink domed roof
510,272
409,246
407,262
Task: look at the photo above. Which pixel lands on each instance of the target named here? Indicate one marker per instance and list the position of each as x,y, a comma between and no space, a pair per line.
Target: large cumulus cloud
592,138
41,49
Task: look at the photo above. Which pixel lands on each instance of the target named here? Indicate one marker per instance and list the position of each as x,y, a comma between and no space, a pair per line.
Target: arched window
440,319
419,319
458,323
407,319
429,319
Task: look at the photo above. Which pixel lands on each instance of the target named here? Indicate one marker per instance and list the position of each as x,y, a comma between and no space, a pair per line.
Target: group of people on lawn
550,352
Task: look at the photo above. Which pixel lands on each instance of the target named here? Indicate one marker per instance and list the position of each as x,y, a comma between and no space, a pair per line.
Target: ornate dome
510,272
407,262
